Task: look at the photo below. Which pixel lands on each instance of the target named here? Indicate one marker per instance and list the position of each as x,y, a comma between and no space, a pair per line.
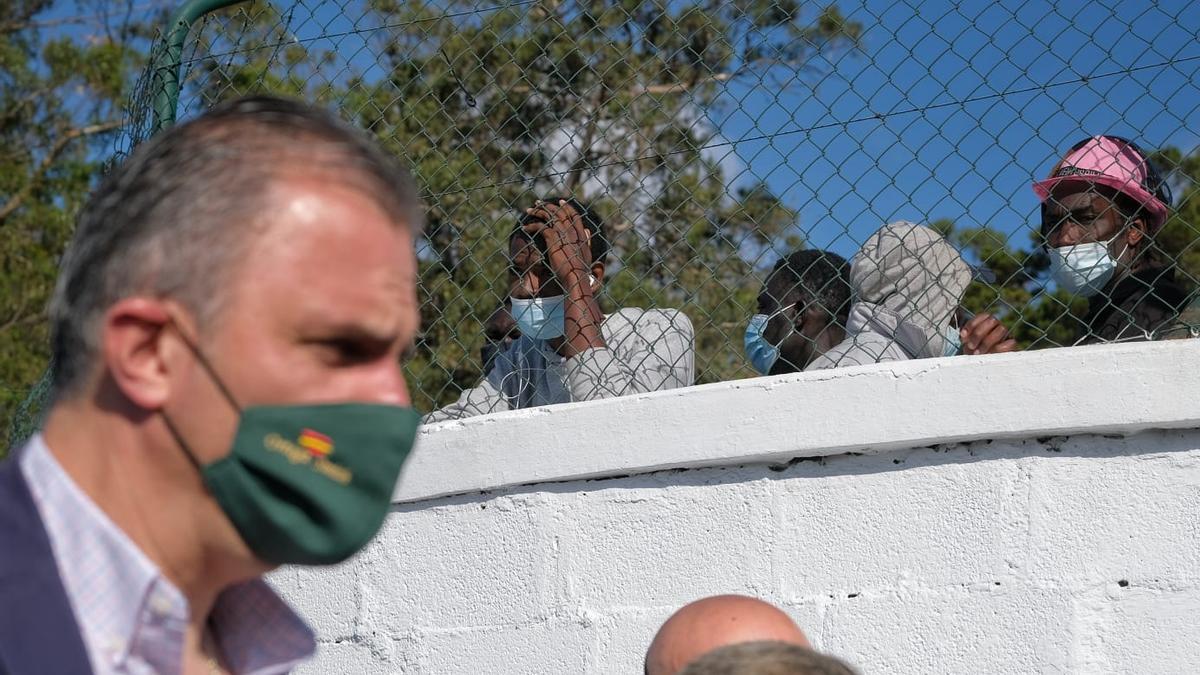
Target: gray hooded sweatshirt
907,283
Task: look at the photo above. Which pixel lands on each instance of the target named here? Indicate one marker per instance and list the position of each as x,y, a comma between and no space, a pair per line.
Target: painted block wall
995,549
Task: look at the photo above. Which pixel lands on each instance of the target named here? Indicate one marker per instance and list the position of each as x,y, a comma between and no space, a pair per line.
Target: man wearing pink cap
1102,206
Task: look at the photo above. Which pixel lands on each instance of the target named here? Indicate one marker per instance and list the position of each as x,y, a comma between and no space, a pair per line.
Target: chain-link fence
712,139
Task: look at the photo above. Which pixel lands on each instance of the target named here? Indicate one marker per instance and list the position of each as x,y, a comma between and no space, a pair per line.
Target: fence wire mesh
713,139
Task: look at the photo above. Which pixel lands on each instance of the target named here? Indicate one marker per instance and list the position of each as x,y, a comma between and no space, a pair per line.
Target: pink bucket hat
1116,163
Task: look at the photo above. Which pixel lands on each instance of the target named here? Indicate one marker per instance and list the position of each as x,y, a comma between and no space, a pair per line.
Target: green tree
605,100
61,94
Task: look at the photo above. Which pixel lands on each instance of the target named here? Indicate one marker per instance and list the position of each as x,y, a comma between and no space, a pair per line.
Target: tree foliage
605,100
61,97
1180,237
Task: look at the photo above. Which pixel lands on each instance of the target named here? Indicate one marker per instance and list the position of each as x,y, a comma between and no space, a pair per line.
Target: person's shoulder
652,320
833,357
13,485
1191,304
856,350
1186,323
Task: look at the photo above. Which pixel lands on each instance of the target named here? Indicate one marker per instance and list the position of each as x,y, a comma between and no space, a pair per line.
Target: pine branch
23,20
43,167
22,319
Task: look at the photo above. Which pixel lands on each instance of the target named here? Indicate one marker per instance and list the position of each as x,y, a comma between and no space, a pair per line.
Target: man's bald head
721,620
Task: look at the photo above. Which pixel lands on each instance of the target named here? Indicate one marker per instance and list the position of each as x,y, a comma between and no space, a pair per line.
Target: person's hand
569,256
568,252
984,334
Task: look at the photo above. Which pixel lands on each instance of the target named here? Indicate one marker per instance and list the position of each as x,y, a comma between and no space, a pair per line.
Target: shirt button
160,605
116,648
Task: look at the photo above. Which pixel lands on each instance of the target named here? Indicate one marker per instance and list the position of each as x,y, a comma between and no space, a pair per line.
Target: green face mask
308,484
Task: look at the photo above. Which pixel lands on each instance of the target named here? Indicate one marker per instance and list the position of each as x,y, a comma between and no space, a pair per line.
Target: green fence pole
166,97
28,415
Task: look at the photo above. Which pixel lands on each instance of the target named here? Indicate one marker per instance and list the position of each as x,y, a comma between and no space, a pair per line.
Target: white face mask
1083,269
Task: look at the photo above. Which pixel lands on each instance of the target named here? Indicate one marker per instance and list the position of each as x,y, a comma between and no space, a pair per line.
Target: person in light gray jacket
908,282
568,350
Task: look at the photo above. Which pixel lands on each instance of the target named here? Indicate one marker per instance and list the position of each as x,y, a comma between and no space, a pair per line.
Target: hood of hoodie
908,282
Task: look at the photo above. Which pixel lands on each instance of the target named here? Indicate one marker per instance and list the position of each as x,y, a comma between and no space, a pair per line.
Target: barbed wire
873,117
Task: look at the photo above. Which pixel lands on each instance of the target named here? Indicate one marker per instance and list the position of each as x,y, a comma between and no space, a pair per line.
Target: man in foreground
717,621
568,350
802,312
210,422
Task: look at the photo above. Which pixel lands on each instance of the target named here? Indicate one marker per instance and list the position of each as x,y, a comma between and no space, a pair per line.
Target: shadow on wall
848,464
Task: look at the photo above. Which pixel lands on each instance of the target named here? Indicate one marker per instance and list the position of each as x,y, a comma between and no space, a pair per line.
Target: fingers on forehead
538,213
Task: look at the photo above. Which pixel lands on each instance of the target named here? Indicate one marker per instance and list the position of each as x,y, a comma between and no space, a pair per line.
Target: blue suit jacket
38,632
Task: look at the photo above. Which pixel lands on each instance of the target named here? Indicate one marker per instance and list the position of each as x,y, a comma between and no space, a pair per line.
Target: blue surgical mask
540,318
1082,269
952,344
762,354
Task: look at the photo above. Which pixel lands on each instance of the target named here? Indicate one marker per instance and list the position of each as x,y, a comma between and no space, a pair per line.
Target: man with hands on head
568,349
563,245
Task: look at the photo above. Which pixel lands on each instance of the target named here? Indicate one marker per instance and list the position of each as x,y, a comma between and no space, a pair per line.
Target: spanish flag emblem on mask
317,444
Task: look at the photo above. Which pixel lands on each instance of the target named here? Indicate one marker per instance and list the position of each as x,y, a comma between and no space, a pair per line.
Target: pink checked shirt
132,618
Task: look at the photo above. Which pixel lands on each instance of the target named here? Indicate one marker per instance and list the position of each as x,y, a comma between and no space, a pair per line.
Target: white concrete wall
1064,536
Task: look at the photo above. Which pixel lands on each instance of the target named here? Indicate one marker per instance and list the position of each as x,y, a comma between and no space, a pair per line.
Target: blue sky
970,162
993,127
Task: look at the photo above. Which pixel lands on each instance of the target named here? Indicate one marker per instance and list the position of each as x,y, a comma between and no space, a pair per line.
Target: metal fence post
166,98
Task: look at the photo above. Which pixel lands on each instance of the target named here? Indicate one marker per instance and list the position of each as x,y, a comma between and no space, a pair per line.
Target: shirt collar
257,632
127,609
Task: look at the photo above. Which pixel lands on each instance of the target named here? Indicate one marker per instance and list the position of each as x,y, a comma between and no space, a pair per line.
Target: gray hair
176,217
766,658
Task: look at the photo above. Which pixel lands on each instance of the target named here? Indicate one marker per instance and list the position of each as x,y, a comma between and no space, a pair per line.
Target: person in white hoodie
908,283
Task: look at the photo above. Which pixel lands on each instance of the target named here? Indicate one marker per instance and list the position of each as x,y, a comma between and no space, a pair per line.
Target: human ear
136,351
810,316
1136,232
598,274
